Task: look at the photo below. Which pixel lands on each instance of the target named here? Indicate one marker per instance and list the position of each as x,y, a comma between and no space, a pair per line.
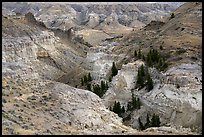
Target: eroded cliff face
66,15
177,93
37,59
34,105
39,49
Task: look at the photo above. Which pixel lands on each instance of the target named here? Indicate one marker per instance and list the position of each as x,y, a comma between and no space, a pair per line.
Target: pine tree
134,102
110,108
149,60
106,86
118,108
85,79
157,56
110,79
123,109
115,107
135,53
147,125
160,63
142,70
89,77
155,121
138,103
96,88
89,86
114,70
103,86
150,85
172,16
140,80
129,106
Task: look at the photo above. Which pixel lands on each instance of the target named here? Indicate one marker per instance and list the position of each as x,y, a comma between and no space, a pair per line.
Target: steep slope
36,56
31,104
99,19
176,96
47,107
30,43
82,14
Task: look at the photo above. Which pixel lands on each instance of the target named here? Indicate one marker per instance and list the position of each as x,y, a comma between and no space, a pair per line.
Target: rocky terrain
101,19
44,58
181,82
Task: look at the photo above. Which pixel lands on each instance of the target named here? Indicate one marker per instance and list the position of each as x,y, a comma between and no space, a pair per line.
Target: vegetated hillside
176,75
32,101
97,21
180,35
38,59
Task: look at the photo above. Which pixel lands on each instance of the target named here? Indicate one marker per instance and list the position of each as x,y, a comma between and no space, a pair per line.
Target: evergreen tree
172,16
140,124
160,63
149,60
129,106
89,86
89,77
115,107
149,83
155,121
114,70
123,109
118,108
148,122
138,103
106,86
135,53
134,102
103,86
157,56
142,70
153,55
85,79
110,79
110,109
97,88
140,79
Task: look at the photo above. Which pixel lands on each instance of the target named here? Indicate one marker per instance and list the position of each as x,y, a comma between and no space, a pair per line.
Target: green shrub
172,16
